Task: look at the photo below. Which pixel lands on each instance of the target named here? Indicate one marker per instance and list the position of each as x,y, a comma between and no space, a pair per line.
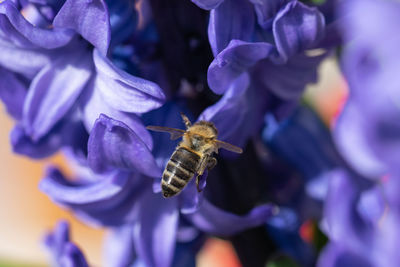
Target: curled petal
93,104
344,221
229,112
288,81
25,61
113,143
207,4
230,20
297,27
125,92
12,93
72,256
56,240
22,144
235,59
53,92
89,18
58,188
27,34
354,144
213,220
154,232
266,11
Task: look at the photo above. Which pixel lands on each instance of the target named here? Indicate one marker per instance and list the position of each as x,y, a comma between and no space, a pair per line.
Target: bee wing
227,146
175,133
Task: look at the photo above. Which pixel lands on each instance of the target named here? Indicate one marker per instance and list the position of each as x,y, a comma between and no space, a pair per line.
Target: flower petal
119,249
190,198
266,11
72,256
211,219
58,188
26,61
337,255
343,219
229,112
89,18
154,233
23,144
230,20
123,91
288,81
53,92
350,138
296,28
27,34
235,59
12,93
207,4
93,104
113,143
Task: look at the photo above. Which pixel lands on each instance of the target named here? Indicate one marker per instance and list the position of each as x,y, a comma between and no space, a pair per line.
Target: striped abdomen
180,169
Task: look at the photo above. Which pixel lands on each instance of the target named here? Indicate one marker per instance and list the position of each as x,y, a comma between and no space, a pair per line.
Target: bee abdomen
180,169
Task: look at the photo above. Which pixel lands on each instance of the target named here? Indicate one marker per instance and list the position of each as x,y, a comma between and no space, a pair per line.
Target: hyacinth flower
366,135
53,101
261,62
126,192
60,248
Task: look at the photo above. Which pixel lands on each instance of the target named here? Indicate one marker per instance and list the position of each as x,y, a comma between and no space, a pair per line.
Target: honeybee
192,155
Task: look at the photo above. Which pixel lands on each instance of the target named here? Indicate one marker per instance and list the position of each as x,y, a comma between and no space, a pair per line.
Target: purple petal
46,38
23,144
113,143
53,92
266,11
353,143
56,240
123,91
12,93
336,255
58,188
288,81
228,113
230,20
296,28
213,220
237,58
89,18
342,217
72,257
208,4
190,198
93,104
119,249
25,61
154,233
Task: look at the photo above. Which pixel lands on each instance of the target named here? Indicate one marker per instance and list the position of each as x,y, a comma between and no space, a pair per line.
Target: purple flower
123,194
70,77
62,251
260,69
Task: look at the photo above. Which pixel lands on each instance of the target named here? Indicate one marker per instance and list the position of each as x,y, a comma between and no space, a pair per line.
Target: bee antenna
186,120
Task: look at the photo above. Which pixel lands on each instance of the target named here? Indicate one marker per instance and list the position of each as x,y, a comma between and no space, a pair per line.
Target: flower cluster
85,78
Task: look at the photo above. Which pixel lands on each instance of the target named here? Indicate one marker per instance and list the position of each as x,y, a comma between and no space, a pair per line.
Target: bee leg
211,163
198,184
186,120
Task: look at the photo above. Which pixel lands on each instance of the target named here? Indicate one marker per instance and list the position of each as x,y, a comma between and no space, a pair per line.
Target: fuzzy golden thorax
200,138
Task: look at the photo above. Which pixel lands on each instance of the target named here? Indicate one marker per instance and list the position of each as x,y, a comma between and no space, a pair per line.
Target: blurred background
26,213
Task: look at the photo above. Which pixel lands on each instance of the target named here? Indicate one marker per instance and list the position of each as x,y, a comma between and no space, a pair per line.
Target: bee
192,155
